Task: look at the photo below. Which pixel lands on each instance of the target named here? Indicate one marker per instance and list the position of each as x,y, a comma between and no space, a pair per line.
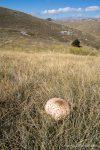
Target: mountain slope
91,26
17,24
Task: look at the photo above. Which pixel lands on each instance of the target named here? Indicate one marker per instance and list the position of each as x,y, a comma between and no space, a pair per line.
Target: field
28,80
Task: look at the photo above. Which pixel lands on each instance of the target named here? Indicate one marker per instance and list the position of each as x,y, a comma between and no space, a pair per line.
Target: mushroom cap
58,108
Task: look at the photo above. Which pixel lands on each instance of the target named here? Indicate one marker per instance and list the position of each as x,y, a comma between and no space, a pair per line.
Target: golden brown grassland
28,80
45,45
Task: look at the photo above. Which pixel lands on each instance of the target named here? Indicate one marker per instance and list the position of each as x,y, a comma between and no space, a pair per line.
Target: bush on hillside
49,19
76,43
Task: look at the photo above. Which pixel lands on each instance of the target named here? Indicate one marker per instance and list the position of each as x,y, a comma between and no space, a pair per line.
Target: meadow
28,80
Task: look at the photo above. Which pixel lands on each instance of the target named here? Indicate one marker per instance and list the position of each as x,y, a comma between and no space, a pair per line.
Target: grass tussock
27,81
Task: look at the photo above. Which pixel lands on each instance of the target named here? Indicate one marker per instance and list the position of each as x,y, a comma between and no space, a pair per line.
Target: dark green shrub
49,19
76,43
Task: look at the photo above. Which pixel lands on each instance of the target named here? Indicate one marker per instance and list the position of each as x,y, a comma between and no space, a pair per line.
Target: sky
55,9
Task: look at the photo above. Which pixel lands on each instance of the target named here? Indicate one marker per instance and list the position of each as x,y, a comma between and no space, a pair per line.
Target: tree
76,43
49,19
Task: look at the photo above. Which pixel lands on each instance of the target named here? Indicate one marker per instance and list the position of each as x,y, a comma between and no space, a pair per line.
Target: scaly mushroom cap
58,108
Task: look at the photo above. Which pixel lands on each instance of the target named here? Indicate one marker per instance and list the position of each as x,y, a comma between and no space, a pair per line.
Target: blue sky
55,8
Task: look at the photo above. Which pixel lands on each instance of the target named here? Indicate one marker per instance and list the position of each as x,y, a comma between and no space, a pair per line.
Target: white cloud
70,9
92,8
61,10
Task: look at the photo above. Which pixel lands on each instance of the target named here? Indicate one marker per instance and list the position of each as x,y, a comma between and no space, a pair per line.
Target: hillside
18,25
91,26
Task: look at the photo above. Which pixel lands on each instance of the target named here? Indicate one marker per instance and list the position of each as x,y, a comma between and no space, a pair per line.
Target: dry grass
23,44
27,81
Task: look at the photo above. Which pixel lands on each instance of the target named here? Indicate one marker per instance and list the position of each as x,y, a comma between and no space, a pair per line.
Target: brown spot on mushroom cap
60,102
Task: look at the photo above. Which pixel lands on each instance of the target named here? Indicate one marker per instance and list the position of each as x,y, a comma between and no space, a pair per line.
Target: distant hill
90,25
15,24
